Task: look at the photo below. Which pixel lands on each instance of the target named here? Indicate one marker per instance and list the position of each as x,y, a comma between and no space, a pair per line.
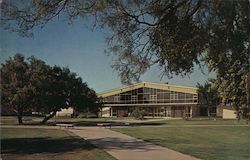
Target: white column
111,112
191,111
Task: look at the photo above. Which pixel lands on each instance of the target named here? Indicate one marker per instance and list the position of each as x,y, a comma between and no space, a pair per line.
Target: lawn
200,121
47,144
8,120
186,136
211,143
11,120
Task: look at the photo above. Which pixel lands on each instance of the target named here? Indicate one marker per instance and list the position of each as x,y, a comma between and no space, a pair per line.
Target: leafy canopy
32,85
172,34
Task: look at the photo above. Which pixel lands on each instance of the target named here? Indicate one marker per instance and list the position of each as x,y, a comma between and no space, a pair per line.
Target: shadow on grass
95,123
121,144
43,145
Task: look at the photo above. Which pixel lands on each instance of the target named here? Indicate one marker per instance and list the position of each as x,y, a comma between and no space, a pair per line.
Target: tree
35,86
172,34
229,52
208,96
66,90
138,114
81,97
15,87
39,79
232,89
56,93
147,32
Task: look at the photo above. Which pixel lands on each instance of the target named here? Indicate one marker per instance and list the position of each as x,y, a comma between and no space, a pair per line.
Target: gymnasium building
154,99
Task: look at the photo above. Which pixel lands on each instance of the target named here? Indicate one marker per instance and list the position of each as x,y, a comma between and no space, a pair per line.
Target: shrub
138,114
87,115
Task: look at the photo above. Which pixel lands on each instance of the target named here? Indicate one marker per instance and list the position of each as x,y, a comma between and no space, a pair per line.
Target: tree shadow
121,144
43,145
95,123
111,123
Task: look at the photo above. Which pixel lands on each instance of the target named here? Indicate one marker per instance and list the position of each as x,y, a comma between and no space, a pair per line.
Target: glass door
168,111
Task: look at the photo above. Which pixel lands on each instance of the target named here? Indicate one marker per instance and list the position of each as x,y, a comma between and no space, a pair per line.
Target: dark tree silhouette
34,86
172,34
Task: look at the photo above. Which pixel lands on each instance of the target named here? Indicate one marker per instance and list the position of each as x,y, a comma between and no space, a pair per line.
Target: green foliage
138,114
228,51
34,86
208,95
172,34
15,87
233,90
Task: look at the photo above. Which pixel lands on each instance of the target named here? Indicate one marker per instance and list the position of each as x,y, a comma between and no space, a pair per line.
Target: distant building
226,112
155,99
65,112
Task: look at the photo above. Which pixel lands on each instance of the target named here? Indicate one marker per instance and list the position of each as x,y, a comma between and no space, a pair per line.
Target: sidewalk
124,147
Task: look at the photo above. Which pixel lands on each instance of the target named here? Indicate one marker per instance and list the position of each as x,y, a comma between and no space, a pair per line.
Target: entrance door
168,111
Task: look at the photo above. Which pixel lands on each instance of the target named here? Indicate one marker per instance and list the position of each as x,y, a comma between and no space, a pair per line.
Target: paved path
124,147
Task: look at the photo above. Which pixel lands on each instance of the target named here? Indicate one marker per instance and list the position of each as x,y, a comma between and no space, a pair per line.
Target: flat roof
169,87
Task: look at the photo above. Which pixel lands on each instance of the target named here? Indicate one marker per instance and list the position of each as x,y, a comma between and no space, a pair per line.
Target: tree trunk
238,112
248,72
248,93
48,117
20,119
238,116
20,115
208,112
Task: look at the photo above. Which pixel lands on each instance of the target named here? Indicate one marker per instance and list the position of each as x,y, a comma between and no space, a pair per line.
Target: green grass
211,143
47,144
200,121
8,120
11,120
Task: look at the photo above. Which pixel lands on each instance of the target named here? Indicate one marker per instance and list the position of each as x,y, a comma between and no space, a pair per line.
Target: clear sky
82,50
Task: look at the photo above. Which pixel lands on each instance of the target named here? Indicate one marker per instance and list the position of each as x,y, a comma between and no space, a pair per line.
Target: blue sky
82,50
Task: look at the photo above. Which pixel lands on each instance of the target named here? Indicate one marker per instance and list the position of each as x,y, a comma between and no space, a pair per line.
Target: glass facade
151,96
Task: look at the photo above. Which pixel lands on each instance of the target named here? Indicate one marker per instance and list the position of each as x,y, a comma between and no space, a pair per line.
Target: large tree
32,85
208,96
173,34
15,87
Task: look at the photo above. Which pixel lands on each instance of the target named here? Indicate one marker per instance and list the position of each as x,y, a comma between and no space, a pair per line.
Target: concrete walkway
124,147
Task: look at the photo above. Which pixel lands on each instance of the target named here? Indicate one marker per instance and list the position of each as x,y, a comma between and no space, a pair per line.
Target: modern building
154,99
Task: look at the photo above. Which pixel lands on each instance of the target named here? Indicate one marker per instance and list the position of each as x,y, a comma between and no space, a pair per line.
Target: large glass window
151,95
117,98
174,96
152,98
134,98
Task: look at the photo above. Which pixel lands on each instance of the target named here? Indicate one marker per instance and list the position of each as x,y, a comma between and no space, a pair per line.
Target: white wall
65,112
106,111
229,114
